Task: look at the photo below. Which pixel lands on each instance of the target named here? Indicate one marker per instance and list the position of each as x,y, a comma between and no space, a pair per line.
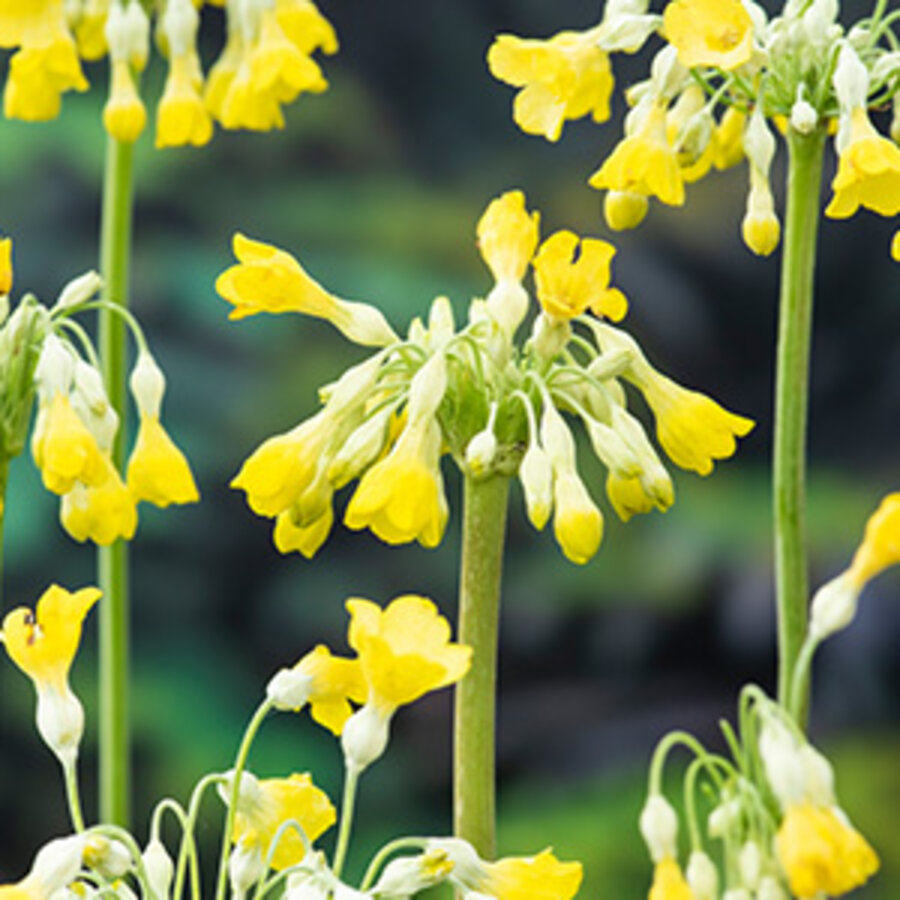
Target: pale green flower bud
737,894
289,689
468,867
557,439
137,31
352,388
770,889
482,448
180,23
507,304
759,144
55,367
818,23
57,864
659,827
550,335
750,864
406,876
833,606
724,818
804,116
110,858
160,868
426,390
360,450
702,876
246,867
626,26
612,451
364,738
147,384
60,722
79,290
536,476
783,764
90,402
441,326
667,74
851,80
819,776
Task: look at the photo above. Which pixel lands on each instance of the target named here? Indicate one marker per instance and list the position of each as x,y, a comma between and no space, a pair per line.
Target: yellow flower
565,77
881,544
306,27
895,247
577,523
629,498
47,64
271,802
644,162
624,210
90,29
54,868
507,236
6,267
401,497
277,473
157,469
709,32
305,539
729,138
267,279
404,649
540,877
567,286
868,172
327,683
124,115
64,449
181,117
821,853
668,882
101,512
691,427
43,643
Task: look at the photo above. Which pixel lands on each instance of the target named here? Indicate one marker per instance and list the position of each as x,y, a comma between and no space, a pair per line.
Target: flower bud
737,894
289,689
468,867
550,335
770,889
360,450
110,858
159,867
426,390
364,738
851,80
750,864
536,476
724,817
55,367
245,867
659,827
441,326
79,290
833,606
405,876
624,210
702,876
60,722
147,384
57,864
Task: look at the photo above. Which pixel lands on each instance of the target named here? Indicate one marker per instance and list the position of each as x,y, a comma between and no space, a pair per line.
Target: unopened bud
804,117
770,889
833,606
79,290
109,858
702,876
364,738
851,80
245,867
289,689
536,476
60,722
55,367
441,326
624,210
659,827
750,864
148,384
159,867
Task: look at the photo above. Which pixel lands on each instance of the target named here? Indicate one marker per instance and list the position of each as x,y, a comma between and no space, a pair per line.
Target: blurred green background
376,186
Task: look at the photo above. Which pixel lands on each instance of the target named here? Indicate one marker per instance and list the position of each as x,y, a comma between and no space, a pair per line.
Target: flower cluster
471,390
45,352
725,76
775,812
266,62
775,809
402,652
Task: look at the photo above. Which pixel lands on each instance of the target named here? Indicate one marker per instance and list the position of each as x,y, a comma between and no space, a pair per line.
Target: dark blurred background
376,186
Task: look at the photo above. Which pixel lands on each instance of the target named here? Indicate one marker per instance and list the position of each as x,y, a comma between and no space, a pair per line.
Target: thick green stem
112,561
791,400
484,536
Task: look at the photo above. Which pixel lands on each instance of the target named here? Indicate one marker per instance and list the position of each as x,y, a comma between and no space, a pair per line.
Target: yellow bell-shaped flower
157,470
709,32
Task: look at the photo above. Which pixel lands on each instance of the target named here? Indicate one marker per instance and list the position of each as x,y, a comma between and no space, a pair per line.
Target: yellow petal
158,471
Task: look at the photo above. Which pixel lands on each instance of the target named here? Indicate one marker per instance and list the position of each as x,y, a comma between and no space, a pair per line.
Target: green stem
484,535
112,561
188,850
240,763
70,774
351,779
791,399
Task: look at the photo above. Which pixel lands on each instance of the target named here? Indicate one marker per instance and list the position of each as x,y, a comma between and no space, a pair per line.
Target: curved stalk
112,561
351,780
474,766
791,403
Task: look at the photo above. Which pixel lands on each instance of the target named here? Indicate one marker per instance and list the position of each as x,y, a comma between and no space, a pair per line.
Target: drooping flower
102,512
669,882
264,805
565,77
644,162
182,117
43,645
327,683
572,275
577,522
868,173
55,867
709,32
267,279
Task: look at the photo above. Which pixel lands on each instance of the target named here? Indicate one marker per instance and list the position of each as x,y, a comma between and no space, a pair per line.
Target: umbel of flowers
45,354
726,80
471,390
266,62
774,809
272,826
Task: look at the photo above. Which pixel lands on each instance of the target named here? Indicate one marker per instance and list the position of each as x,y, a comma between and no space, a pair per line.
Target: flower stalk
474,779
112,561
791,403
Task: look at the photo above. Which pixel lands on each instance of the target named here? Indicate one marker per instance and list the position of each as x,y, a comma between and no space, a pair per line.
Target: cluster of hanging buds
496,407
774,808
726,79
45,352
266,62
271,825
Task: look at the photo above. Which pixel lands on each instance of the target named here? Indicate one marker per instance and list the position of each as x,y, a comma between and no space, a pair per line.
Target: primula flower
540,877
304,539
55,867
565,77
401,497
821,853
868,172
572,275
644,162
668,882
265,805
101,512
577,522
64,449
124,115
182,117
157,470
327,683
267,279
709,32
508,236
404,650
43,645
